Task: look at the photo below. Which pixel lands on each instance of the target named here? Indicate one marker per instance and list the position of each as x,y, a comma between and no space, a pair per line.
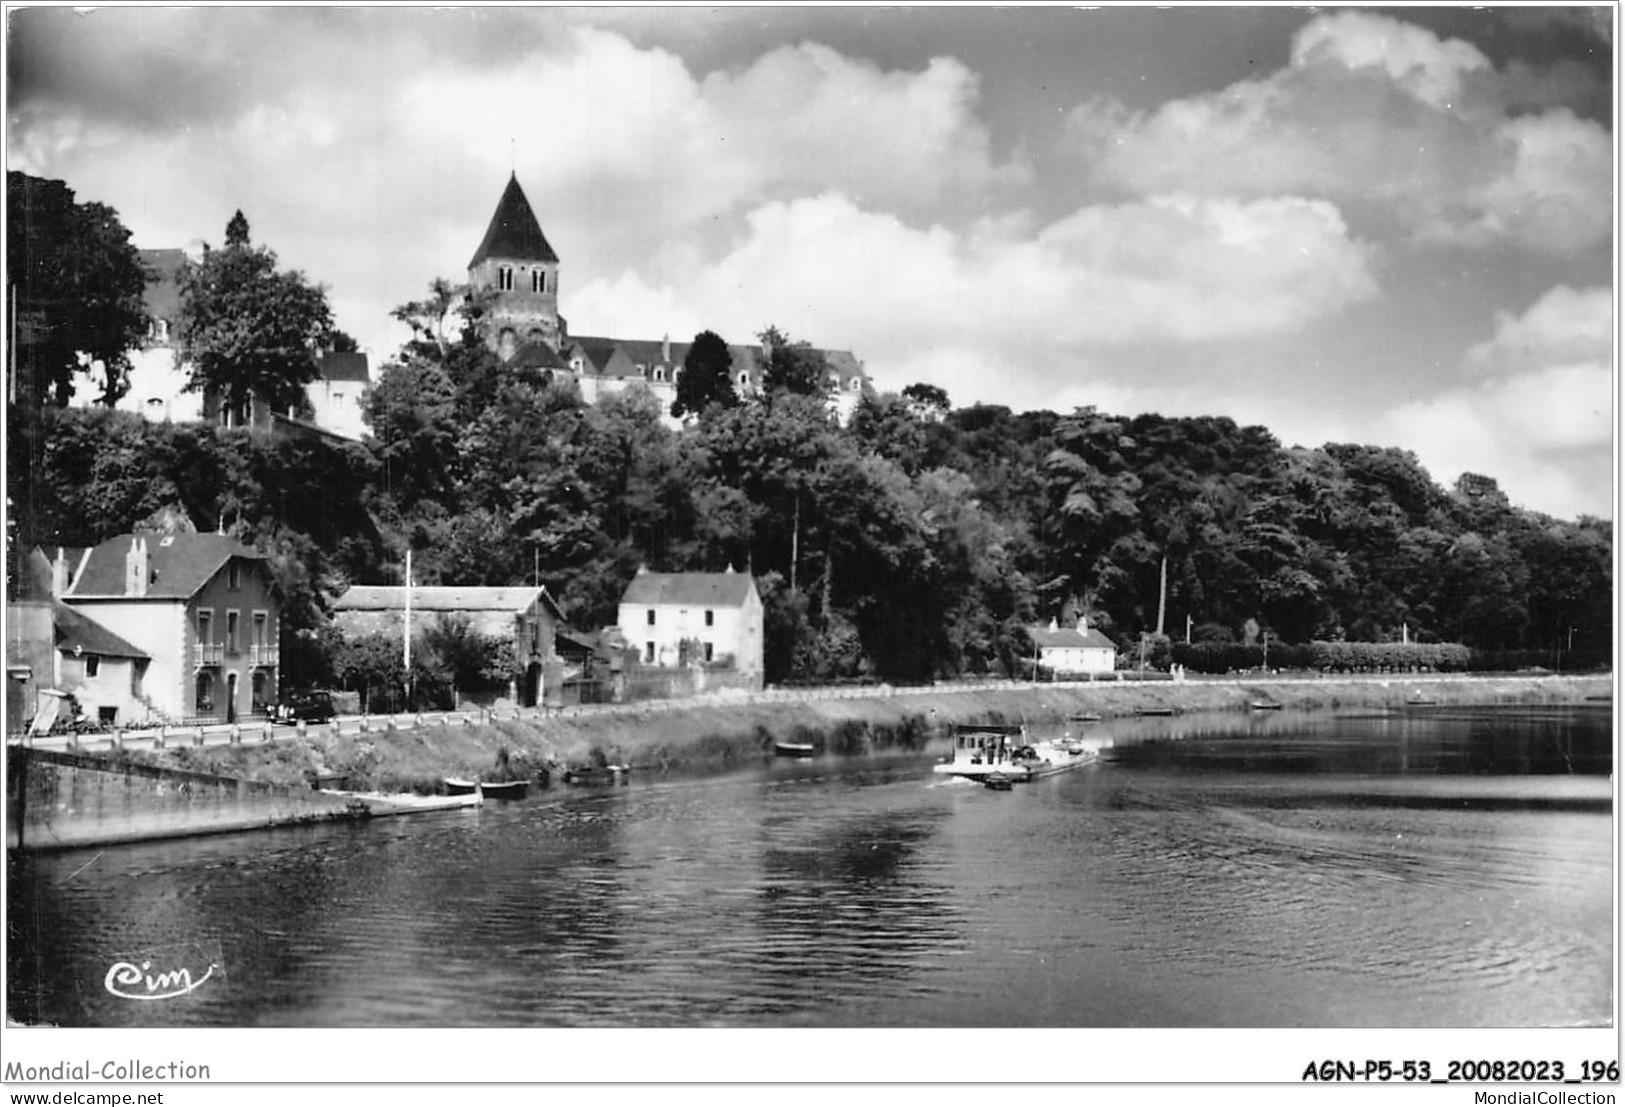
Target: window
138,669
651,617
260,626
710,618
660,372
234,575
231,632
505,278
538,281
205,626
744,380
93,664
708,651
649,653
205,691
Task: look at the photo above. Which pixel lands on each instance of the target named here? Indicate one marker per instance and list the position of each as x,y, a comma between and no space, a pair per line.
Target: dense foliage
76,284
248,329
914,543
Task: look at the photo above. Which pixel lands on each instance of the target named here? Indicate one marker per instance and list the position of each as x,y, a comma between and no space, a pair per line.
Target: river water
1446,867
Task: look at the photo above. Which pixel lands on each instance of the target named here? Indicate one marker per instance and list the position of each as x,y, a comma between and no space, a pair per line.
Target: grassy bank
717,734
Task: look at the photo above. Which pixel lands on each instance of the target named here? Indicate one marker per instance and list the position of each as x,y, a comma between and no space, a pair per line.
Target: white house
681,619
1080,649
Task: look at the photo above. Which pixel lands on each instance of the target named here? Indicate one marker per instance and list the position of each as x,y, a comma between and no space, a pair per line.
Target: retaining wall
64,800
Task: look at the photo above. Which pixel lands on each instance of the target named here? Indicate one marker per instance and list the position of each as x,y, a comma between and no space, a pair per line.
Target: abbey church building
521,270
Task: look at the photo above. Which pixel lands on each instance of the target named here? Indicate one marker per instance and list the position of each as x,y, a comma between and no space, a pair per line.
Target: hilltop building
158,378
520,270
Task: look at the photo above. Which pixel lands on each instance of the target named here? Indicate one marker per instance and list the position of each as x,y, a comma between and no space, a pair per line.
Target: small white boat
1001,755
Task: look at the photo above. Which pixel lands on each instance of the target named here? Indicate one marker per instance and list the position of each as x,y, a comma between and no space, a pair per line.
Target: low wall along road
131,785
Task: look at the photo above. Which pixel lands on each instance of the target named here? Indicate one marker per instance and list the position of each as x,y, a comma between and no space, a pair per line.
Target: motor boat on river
997,756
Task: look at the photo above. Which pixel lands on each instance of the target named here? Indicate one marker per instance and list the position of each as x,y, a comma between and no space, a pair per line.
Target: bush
1390,657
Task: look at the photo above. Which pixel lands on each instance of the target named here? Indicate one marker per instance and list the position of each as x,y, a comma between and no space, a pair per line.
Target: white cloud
1383,117
1566,326
1411,58
1038,314
1540,418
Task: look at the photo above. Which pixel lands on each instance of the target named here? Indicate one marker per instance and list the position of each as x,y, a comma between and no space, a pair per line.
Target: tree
76,289
707,376
927,400
247,330
793,366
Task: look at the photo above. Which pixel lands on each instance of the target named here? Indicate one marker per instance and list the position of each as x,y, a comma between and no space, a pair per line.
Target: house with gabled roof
690,619
1073,650
525,615
203,608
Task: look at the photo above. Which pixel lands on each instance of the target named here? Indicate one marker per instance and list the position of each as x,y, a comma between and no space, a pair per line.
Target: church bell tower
516,263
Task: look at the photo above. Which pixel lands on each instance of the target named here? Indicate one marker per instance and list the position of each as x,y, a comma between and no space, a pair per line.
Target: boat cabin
988,745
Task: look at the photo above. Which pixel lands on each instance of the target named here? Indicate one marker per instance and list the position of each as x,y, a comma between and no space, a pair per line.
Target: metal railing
209,653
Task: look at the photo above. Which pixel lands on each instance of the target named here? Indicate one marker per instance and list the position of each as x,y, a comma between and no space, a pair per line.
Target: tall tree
794,367
707,376
76,287
248,330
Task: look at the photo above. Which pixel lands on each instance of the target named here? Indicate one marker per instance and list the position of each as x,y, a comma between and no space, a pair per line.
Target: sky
1390,226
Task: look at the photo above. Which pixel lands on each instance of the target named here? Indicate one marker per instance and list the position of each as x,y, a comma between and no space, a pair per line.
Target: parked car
308,706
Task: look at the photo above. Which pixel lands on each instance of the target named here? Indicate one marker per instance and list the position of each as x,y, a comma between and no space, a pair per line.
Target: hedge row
1337,657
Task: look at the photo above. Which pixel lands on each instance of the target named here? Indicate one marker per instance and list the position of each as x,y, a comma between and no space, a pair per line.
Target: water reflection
1446,868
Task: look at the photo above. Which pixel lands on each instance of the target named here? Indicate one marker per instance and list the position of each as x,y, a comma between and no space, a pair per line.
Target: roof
600,350
77,633
392,597
536,355
728,589
179,565
1070,638
163,294
514,232
343,367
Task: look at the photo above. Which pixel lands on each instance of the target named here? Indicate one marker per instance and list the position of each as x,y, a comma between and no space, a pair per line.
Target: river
1439,867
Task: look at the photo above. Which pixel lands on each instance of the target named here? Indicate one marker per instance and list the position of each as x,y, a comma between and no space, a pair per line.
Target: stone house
526,615
694,619
202,608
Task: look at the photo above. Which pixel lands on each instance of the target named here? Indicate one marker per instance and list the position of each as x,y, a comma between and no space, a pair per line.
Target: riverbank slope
718,732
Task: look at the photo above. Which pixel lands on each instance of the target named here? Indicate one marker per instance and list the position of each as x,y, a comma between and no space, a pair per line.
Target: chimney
59,574
1083,624
135,567
665,348
1053,625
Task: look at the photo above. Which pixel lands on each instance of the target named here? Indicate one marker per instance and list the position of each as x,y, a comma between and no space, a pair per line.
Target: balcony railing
262,656
209,653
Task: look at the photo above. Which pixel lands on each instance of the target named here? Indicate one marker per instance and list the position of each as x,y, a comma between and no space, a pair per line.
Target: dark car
308,706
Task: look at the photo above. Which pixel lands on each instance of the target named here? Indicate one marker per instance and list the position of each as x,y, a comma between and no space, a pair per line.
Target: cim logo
129,981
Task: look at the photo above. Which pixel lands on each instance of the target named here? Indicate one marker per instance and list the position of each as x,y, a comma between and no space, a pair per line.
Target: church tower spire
518,265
